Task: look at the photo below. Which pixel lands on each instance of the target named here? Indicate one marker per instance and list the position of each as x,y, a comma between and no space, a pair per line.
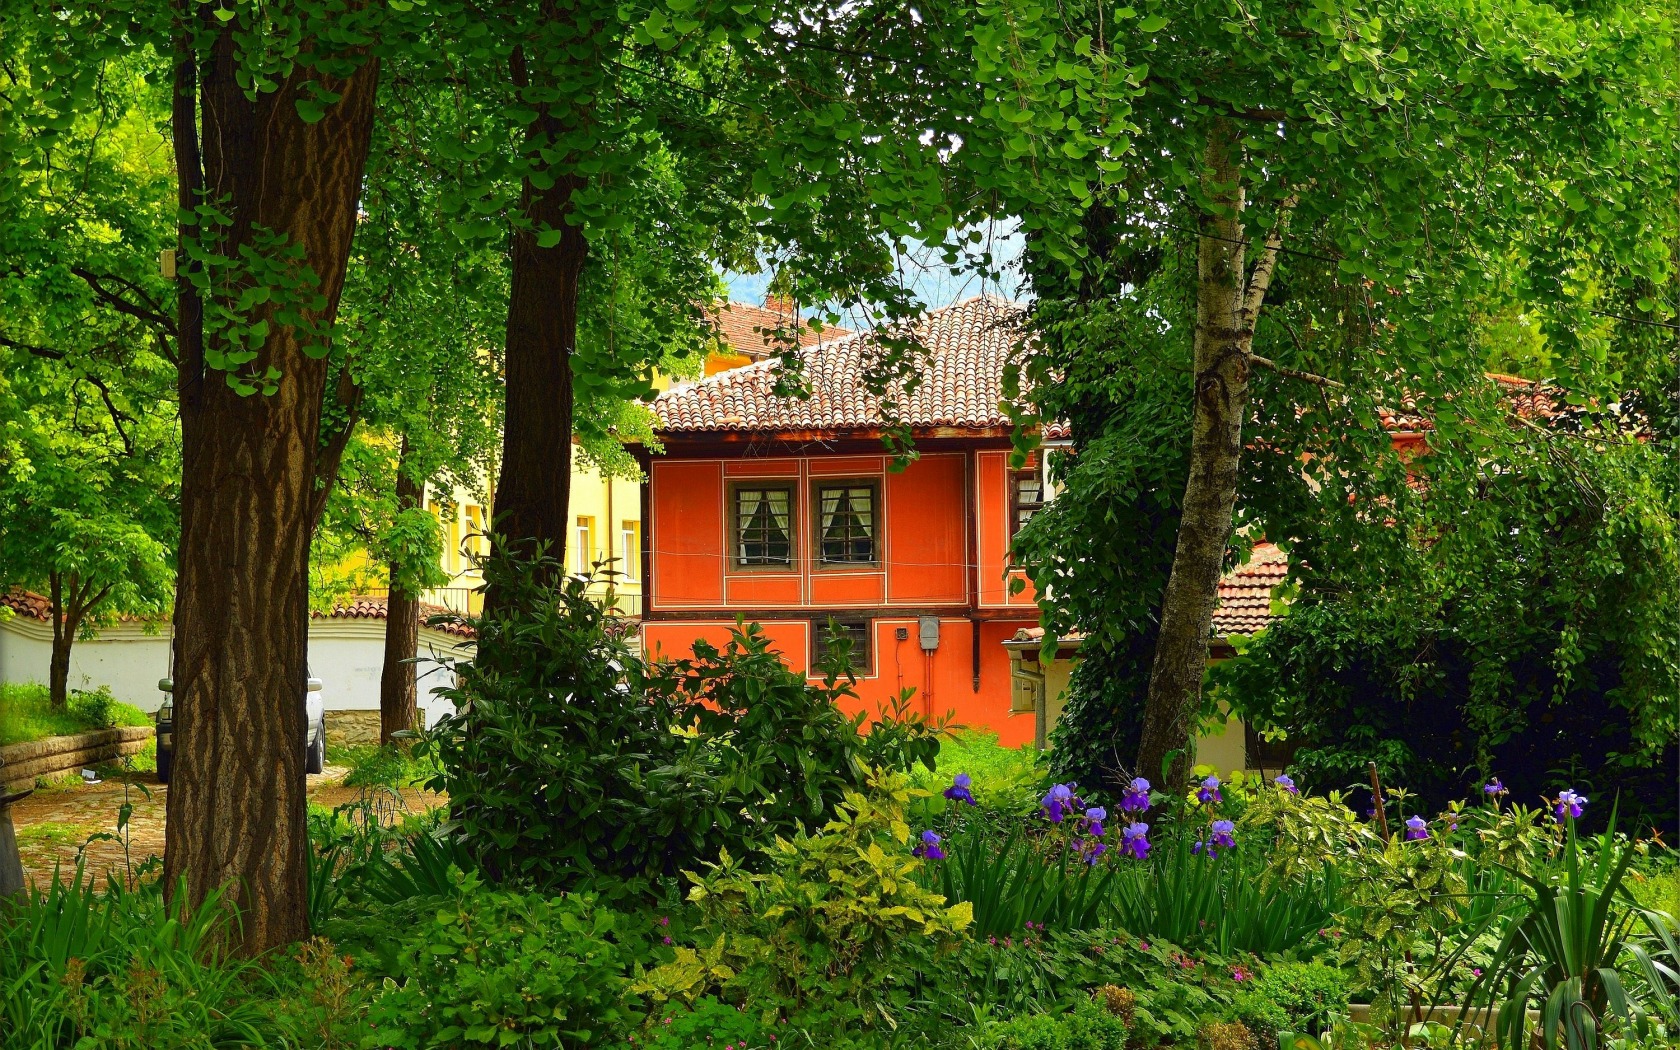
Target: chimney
782,306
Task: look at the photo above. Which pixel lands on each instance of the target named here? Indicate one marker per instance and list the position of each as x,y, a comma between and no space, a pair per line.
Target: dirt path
55,824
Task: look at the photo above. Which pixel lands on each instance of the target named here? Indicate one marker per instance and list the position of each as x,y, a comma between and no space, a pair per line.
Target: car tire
316,759
165,759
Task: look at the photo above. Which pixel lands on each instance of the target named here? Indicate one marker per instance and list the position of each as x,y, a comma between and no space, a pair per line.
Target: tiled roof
752,330
1245,593
374,607
1245,597
962,384
27,603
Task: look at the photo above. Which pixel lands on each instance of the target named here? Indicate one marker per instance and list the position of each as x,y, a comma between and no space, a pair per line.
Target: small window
763,526
855,634
846,524
630,541
1026,488
584,561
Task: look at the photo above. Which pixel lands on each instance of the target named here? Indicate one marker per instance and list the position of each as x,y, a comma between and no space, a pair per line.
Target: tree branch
149,312
1261,278
1293,373
39,351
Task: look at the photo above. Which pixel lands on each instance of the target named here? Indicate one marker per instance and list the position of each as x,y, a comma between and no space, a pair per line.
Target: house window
763,526
477,541
846,524
630,543
854,634
1026,490
584,561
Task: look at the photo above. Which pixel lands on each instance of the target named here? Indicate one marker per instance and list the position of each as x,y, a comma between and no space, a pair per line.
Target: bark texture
534,485
236,810
398,706
1228,301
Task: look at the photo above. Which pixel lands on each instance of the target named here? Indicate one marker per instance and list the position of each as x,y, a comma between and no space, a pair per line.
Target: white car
314,738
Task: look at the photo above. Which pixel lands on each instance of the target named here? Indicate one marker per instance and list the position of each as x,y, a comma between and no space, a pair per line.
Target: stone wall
352,728
21,765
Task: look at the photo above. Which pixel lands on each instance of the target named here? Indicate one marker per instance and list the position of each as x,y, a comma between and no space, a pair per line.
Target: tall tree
89,456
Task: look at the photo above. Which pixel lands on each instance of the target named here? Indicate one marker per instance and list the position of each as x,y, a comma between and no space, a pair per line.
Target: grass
390,766
54,833
26,713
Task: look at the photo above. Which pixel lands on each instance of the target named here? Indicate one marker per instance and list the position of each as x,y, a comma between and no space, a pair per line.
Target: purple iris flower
1058,802
958,791
1495,788
1092,849
1210,791
929,847
1569,804
1136,798
1287,783
1221,836
1094,818
1416,828
1135,840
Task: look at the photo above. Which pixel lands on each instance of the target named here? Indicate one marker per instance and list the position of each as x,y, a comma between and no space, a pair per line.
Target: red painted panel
927,538
687,533
762,468
992,491
675,639
829,588
853,465
759,590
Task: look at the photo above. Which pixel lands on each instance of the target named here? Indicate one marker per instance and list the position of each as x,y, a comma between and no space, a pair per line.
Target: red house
784,511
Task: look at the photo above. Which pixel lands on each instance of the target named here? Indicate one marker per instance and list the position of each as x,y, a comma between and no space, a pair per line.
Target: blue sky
929,278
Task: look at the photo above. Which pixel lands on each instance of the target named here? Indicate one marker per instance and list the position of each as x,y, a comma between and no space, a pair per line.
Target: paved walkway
55,824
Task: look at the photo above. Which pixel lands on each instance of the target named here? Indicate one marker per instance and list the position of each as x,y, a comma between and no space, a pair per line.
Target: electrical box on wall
927,629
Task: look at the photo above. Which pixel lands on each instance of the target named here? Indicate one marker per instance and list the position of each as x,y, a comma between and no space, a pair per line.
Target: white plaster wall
346,655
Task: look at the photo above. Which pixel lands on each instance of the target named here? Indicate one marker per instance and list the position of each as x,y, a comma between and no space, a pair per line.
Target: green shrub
835,933
570,763
1089,1026
1292,997
494,968
707,1024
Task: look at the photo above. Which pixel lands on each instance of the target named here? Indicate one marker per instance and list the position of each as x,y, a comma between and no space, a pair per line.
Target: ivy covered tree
1320,196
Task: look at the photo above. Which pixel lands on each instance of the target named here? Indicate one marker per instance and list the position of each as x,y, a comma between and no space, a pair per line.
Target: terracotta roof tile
27,604
1245,597
962,384
751,330
374,607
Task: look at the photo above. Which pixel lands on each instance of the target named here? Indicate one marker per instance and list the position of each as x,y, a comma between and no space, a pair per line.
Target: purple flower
1058,802
1093,821
1221,836
1091,849
1136,798
958,791
1495,788
1569,804
1135,840
1416,828
929,847
1287,783
1210,791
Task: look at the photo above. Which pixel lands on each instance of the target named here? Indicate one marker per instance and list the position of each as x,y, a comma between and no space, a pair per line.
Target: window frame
583,533
630,534
818,562
732,557
1036,467
819,636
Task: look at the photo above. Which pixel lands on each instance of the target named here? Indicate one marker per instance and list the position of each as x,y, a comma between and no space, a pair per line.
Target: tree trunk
1226,308
236,806
398,709
534,487
58,667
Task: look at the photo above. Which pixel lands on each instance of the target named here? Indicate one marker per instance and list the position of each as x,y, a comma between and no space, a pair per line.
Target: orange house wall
925,565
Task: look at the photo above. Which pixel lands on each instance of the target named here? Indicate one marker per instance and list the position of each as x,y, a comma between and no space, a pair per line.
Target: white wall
347,655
